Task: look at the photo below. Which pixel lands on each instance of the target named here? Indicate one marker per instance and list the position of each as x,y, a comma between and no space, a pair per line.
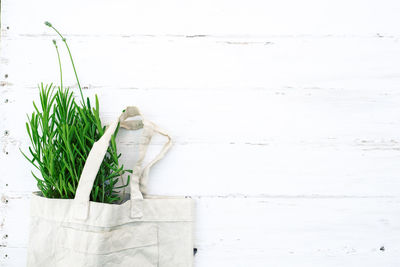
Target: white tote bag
144,231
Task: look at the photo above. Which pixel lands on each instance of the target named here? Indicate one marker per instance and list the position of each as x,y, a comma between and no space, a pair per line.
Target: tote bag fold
143,231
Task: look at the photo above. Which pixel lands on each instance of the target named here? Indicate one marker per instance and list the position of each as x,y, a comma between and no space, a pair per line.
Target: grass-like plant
62,132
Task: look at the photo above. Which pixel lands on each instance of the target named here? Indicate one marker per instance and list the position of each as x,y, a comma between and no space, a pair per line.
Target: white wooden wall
285,116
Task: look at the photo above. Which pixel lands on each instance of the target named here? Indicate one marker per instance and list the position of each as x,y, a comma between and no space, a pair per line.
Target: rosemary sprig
62,133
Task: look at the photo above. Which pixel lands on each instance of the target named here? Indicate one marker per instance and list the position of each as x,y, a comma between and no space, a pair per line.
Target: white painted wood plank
322,117
205,17
293,144
200,169
243,232
207,63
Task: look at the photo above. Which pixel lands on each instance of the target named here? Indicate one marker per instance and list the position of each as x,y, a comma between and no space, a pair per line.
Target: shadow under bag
144,231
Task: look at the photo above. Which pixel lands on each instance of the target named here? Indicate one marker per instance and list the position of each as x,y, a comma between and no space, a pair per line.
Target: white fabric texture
143,231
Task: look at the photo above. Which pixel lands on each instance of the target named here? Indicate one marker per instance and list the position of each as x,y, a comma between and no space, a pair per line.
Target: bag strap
139,176
145,174
136,196
89,173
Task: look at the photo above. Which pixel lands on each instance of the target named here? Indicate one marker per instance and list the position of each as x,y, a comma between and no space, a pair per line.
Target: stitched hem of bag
113,225
124,219
145,196
108,253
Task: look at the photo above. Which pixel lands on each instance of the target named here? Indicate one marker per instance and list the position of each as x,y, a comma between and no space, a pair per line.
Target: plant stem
72,61
59,63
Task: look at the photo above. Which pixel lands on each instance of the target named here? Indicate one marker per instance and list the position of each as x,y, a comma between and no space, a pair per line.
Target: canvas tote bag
143,231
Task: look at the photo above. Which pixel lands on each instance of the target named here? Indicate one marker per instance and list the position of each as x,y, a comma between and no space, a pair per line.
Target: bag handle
145,174
139,177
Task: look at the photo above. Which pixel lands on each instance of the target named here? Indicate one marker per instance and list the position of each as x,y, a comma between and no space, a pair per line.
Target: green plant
62,132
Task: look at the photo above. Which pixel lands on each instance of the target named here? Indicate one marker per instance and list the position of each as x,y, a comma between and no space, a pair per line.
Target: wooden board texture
285,117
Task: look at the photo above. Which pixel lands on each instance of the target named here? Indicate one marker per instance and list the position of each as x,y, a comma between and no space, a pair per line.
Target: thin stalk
59,63
70,56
